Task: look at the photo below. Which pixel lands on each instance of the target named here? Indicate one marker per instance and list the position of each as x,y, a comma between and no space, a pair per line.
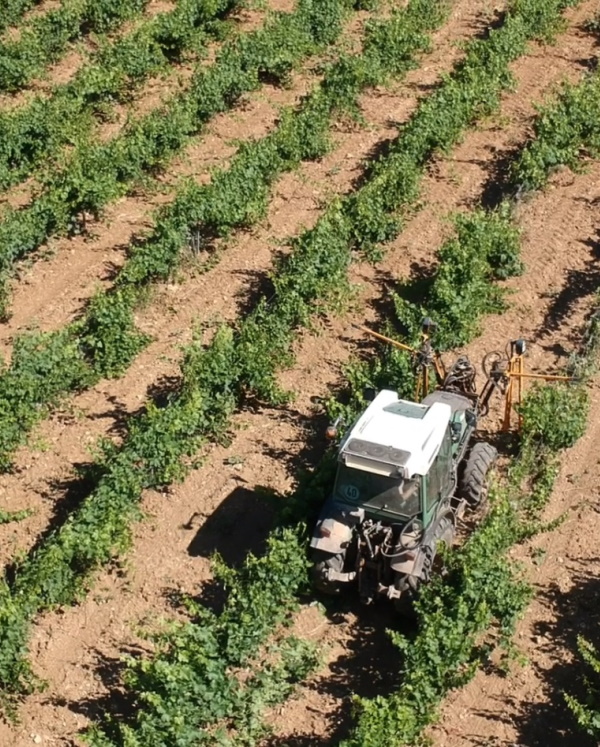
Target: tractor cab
396,461
389,495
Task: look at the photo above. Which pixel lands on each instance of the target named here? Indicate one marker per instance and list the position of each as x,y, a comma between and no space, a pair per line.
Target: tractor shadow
238,527
569,615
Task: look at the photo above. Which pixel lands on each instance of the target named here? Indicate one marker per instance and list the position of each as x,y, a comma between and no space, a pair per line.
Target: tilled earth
76,650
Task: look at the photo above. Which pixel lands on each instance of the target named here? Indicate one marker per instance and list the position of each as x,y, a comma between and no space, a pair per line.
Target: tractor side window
438,478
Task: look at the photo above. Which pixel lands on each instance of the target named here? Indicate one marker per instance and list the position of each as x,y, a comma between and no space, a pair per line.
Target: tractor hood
396,437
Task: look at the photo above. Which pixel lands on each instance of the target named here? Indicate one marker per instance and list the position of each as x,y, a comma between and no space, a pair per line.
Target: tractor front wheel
474,484
323,562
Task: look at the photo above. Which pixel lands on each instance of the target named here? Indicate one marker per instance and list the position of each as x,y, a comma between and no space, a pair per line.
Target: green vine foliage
565,133
471,92
540,420
40,370
587,710
97,173
46,38
13,10
216,379
186,691
368,216
476,606
587,713
154,454
471,611
485,247
463,620
6,517
40,129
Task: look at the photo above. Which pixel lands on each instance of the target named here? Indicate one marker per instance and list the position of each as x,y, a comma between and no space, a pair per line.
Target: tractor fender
405,562
335,527
410,562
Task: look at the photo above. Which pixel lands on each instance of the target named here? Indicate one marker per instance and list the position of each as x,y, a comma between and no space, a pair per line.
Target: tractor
407,472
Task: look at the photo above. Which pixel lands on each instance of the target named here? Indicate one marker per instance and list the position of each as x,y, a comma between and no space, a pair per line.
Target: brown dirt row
109,405
464,180
554,224
561,255
157,560
11,32
152,94
66,438
162,86
228,489
527,706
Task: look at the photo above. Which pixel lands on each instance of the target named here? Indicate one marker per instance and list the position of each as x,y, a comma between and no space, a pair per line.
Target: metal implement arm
425,356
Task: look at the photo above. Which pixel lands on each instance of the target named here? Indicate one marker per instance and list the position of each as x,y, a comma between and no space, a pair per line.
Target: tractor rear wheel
474,483
444,535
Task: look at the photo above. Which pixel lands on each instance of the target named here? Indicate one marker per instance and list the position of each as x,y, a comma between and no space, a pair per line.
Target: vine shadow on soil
578,284
576,612
383,148
116,701
67,494
369,666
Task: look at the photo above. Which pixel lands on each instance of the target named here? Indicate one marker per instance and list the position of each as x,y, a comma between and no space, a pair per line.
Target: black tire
474,483
322,561
405,604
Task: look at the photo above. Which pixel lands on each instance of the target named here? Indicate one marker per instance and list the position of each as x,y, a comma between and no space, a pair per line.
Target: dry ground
77,649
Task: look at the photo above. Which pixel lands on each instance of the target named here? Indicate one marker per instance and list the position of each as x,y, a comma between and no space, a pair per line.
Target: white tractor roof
394,435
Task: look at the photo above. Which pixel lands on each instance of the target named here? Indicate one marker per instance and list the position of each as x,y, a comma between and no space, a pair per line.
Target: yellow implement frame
503,371
424,357
515,373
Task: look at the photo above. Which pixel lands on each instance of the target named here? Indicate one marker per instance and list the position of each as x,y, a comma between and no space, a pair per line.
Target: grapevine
104,341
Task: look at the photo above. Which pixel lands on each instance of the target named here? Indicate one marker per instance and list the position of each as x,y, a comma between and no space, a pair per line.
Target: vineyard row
104,341
13,10
46,38
96,174
483,594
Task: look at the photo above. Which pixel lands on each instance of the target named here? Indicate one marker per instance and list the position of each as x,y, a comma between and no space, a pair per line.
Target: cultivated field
200,201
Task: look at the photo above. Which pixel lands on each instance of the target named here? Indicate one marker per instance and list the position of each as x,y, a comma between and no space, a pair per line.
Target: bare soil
218,506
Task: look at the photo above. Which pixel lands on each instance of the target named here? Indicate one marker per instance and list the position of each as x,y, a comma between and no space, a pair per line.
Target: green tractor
407,472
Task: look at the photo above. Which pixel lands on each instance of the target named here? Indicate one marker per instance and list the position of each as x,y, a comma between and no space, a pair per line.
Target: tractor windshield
378,492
